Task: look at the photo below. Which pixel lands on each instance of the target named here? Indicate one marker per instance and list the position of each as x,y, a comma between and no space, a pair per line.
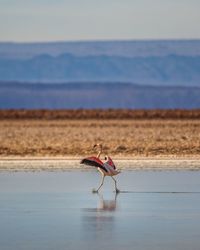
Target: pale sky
57,20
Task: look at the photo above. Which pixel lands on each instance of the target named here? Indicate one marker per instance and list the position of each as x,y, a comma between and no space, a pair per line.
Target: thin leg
116,190
102,181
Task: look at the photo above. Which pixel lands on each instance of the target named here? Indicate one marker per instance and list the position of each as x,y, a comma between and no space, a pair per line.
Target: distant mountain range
96,95
101,74
172,70
134,48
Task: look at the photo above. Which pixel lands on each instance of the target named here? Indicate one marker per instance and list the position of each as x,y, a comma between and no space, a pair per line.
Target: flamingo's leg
116,189
101,184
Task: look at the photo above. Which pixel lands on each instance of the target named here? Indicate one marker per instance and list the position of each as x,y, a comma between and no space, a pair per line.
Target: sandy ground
134,144
122,138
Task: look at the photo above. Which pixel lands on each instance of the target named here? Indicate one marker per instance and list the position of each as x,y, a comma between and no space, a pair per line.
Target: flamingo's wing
94,162
110,162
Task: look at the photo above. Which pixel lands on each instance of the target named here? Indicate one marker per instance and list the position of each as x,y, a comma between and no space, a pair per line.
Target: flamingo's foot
117,191
94,191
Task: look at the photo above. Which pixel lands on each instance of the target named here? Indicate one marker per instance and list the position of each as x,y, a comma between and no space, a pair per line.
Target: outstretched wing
110,162
94,162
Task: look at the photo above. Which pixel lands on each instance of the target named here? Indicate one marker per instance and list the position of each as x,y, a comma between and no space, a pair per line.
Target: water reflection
107,205
99,221
104,205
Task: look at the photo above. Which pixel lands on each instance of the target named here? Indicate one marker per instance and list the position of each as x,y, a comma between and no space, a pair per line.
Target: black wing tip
86,162
93,163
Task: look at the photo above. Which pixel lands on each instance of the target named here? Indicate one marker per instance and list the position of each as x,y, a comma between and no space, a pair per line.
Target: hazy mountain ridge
127,48
100,74
96,95
152,70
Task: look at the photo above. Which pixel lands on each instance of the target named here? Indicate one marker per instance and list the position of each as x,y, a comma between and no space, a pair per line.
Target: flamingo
106,168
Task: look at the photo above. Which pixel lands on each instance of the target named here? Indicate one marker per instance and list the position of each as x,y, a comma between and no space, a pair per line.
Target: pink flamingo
106,168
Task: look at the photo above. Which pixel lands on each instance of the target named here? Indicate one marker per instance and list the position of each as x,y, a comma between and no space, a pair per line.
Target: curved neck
99,153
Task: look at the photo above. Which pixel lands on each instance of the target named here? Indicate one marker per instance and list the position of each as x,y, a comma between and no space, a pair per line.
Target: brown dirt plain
44,134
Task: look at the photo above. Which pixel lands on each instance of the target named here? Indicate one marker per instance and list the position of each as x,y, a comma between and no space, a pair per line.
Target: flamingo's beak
95,145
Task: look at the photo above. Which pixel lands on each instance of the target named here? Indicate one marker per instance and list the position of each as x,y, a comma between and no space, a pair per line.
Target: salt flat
64,164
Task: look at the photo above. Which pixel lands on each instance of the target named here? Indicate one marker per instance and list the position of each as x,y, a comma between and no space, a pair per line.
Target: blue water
57,210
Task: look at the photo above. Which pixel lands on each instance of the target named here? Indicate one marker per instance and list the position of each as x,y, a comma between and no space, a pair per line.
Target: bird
106,168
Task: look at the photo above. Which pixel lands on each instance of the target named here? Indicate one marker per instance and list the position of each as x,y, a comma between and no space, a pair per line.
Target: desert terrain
56,136
123,133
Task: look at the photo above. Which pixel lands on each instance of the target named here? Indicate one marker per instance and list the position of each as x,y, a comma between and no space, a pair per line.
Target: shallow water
57,210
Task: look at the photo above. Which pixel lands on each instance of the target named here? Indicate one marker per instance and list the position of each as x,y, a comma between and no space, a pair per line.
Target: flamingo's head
97,145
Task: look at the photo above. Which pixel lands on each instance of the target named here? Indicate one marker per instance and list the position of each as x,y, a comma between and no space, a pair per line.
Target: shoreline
70,163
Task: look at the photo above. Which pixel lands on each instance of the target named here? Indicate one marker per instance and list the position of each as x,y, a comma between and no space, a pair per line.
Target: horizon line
100,40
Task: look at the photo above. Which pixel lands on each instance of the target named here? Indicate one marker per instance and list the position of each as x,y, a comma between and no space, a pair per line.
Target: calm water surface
56,210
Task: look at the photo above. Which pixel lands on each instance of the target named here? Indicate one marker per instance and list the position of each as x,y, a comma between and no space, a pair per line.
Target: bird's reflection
104,205
107,205
100,221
